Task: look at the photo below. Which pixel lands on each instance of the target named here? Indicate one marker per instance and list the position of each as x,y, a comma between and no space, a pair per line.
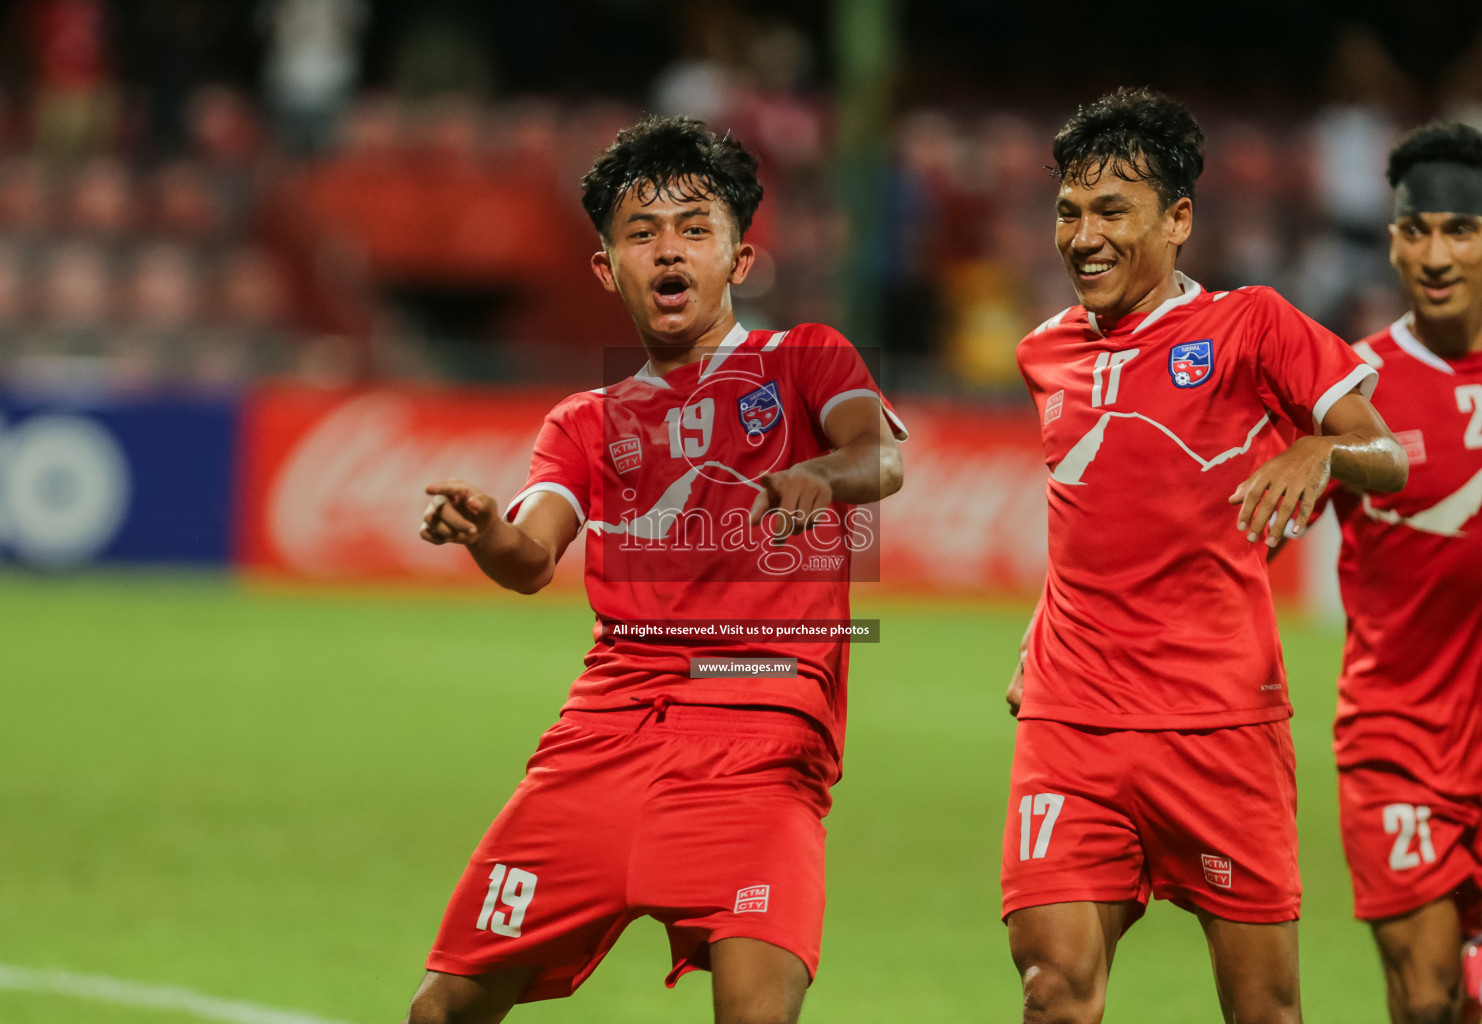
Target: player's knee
1429,1009
1272,1007
429,1011
435,1007
1055,995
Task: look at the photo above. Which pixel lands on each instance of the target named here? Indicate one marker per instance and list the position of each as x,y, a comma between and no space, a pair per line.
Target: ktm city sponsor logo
752,899
1218,871
627,454
1054,406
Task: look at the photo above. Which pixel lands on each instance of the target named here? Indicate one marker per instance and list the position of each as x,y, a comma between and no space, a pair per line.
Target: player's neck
665,354
1170,288
1451,336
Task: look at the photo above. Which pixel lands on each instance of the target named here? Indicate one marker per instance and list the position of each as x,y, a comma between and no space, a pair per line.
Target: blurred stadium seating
203,225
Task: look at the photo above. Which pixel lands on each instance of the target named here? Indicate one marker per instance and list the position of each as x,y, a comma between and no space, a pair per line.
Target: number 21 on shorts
1046,805
515,889
1407,822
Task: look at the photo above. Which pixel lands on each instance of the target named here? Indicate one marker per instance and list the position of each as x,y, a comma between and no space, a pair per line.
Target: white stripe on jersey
1445,518
1366,352
1412,346
544,485
1073,466
1362,377
732,341
1054,321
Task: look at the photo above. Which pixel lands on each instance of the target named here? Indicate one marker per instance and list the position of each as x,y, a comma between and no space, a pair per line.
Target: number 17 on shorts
1046,808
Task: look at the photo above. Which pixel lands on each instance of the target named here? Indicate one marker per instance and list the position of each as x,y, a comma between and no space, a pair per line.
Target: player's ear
1394,245
602,267
1181,220
742,262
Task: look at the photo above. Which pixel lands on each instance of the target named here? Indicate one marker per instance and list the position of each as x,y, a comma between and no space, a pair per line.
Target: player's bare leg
1422,968
756,982
1255,970
456,999
1064,955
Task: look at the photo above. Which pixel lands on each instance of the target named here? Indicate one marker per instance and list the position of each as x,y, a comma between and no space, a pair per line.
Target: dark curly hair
1140,135
674,157
1435,142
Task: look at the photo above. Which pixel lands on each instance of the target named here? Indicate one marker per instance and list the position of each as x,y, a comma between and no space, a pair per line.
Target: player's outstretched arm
519,556
864,466
1355,448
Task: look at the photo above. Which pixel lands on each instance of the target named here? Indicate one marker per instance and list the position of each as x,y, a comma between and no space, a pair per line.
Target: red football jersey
663,470
1157,611
1411,575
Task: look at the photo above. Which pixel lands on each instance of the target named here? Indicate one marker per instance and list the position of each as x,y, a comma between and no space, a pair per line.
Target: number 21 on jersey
1046,805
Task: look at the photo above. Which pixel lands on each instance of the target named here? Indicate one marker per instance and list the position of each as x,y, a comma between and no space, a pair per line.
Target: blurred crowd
203,194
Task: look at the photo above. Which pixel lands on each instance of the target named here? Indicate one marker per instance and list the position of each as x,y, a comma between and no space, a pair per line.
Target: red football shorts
1205,818
1407,845
706,818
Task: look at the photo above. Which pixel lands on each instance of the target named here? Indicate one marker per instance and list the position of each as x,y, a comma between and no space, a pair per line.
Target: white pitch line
155,997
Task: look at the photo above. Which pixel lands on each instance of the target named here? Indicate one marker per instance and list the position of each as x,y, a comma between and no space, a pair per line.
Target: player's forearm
1368,460
861,471
512,559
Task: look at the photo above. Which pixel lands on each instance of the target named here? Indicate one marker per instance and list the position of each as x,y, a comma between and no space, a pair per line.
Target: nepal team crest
761,409
1191,363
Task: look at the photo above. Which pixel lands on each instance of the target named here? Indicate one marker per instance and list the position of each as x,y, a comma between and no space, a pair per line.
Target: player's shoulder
1255,298
1071,319
1378,348
1248,299
581,406
1256,311
802,336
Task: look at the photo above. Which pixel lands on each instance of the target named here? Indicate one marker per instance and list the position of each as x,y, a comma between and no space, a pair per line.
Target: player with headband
1409,726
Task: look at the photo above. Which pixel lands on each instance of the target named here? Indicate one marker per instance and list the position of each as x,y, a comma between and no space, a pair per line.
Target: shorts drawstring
656,710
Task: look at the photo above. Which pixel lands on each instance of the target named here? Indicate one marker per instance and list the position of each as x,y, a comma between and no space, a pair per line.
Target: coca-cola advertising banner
332,483
331,488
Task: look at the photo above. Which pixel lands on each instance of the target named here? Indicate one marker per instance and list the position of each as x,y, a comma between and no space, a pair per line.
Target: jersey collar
1403,332
1190,291
732,341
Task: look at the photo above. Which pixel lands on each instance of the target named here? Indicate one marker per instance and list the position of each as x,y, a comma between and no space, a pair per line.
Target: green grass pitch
267,795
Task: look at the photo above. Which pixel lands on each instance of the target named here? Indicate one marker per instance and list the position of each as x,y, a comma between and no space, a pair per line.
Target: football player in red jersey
717,483
1153,755
1409,727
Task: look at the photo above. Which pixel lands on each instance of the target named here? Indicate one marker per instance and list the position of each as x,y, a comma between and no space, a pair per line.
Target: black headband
1439,187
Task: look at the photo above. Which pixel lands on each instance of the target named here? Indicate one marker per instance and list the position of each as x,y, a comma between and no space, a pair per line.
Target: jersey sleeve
830,371
1303,368
559,463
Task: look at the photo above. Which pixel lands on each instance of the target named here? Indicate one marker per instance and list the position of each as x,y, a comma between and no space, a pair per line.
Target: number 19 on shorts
512,888
1037,805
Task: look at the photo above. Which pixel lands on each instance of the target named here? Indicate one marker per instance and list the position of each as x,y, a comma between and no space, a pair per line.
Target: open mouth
671,291
1091,270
